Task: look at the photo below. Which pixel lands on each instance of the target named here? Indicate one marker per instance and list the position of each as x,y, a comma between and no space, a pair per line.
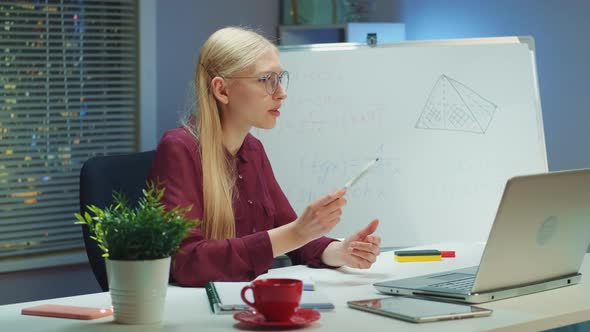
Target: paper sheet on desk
385,268
342,276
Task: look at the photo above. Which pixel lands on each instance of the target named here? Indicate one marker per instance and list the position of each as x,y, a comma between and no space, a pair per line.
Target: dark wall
182,27
40,284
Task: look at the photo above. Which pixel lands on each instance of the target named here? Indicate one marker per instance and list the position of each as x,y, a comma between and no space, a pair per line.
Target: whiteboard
450,120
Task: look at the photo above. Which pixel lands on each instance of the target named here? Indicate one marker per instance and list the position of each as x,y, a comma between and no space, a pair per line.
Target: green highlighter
425,255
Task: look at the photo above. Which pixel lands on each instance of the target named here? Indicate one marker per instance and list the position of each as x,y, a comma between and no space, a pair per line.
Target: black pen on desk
361,173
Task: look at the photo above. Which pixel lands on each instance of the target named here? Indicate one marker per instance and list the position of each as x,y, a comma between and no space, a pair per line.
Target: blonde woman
214,164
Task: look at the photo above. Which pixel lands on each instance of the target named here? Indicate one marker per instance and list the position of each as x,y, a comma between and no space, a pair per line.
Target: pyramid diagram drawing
454,106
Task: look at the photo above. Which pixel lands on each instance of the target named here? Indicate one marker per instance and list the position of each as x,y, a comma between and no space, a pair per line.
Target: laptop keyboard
461,284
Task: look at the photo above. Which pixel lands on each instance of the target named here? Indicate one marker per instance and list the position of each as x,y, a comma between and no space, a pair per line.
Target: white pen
361,173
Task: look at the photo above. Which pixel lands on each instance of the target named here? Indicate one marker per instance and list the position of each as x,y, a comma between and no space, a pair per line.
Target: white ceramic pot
138,289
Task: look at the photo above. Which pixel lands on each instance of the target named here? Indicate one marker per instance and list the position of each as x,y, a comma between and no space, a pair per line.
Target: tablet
418,310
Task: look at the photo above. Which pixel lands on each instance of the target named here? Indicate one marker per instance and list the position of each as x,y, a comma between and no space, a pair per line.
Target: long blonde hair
226,52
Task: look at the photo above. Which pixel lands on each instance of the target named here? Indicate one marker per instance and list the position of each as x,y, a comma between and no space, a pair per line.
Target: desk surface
187,309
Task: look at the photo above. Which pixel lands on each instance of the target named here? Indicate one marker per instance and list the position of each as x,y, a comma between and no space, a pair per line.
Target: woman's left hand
360,250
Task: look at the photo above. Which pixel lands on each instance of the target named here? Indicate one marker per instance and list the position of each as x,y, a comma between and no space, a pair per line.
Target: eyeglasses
271,80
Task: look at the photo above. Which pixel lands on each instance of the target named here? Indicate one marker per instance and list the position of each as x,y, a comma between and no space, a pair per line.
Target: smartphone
67,311
418,310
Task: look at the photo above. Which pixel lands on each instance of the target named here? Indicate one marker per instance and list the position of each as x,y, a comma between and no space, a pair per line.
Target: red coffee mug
276,299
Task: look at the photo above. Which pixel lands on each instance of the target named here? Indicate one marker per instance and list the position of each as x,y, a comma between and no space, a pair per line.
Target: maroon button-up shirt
260,205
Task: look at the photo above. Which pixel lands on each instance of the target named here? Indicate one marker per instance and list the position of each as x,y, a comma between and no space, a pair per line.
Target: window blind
68,91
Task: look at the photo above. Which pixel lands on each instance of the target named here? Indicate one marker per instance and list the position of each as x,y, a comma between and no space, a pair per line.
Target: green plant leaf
145,231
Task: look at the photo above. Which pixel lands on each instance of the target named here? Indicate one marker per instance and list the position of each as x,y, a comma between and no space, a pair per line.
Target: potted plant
137,243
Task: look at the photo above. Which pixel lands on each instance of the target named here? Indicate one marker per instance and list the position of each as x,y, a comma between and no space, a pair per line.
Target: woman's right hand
320,216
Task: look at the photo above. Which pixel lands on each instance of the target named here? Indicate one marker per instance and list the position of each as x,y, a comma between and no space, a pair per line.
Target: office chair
127,174
98,178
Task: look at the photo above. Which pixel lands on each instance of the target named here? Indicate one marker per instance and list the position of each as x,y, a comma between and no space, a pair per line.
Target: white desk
187,309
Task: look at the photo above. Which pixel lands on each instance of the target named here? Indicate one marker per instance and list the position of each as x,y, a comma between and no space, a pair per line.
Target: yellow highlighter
428,255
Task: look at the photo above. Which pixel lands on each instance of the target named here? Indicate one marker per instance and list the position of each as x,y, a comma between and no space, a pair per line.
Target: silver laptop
537,242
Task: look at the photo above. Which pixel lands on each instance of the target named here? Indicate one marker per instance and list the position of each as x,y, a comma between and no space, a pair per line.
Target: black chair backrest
99,177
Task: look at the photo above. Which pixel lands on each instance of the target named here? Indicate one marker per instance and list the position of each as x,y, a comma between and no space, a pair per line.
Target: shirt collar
242,153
